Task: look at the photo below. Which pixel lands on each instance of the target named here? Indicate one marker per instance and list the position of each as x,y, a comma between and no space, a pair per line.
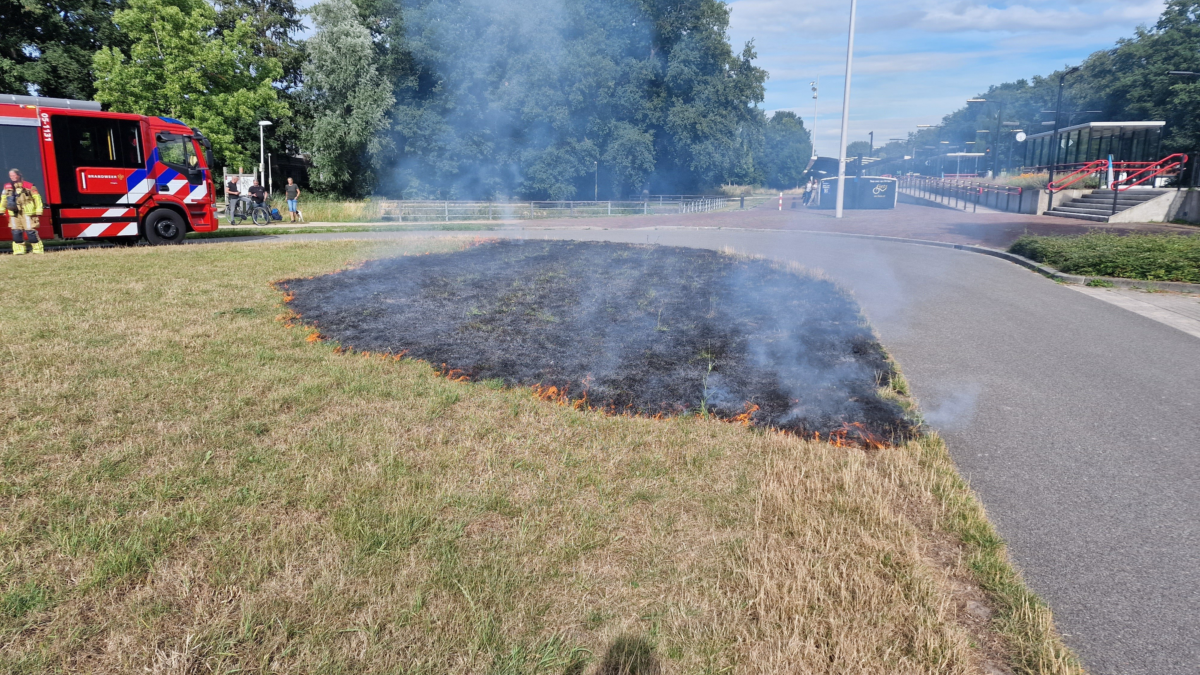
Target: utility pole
996,142
262,152
1054,135
871,152
814,84
597,197
841,181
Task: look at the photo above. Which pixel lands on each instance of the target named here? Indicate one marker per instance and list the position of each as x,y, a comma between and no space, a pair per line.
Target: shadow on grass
629,656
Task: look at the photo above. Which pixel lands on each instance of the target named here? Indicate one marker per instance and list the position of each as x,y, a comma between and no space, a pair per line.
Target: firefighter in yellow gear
24,207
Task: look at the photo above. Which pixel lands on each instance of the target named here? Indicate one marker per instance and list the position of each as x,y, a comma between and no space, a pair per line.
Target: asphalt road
1076,421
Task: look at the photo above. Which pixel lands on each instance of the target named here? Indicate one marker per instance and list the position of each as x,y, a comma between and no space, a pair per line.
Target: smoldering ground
628,328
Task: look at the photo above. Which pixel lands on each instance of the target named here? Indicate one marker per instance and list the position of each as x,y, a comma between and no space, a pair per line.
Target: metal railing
450,211
1124,172
1171,165
964,194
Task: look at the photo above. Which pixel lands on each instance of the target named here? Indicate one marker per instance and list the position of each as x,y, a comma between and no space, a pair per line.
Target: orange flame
854,434
747,417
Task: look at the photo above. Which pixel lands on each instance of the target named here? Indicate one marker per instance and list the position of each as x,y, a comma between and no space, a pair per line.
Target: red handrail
1154,169
1078,175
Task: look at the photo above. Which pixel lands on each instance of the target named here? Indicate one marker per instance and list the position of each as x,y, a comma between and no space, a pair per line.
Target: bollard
743,204
780,201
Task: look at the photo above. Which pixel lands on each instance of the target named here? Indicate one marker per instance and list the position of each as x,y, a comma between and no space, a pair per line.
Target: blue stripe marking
171,120
134,179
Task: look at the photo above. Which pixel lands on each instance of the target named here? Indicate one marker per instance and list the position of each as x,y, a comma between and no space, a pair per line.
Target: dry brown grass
191,487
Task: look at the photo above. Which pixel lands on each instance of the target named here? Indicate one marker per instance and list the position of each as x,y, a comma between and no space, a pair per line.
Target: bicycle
260,214
245,209
240,210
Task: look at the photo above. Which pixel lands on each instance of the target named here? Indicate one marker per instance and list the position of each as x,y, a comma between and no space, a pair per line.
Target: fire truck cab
107,176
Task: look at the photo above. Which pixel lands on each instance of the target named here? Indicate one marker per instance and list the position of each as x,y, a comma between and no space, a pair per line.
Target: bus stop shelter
1082,143
958,158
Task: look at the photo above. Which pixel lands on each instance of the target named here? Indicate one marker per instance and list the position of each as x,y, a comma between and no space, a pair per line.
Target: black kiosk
866,192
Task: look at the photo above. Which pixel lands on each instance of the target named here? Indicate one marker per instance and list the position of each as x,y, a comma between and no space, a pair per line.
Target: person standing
233,197
23,205
292,192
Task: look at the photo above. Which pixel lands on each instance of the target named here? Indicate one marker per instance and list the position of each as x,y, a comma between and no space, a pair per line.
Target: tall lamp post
841,181
1054,135
814,84
262,151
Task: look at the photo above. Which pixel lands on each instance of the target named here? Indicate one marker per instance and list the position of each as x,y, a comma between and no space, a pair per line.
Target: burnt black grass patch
625,328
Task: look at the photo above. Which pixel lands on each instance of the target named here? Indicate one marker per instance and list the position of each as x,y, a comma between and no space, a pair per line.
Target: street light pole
1054,135
815,84
841,181
597,197
262,151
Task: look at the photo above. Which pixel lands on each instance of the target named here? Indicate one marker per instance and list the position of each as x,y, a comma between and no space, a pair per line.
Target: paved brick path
997,230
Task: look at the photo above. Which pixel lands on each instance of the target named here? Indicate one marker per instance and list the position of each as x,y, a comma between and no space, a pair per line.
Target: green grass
1149,257
191,485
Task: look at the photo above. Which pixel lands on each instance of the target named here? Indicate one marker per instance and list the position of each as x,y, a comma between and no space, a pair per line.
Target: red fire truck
107,176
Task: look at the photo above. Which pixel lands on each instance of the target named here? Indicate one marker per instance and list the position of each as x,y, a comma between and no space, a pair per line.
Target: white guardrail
448,211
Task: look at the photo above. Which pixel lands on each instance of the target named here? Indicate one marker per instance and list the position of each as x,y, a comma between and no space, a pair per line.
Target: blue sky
917,60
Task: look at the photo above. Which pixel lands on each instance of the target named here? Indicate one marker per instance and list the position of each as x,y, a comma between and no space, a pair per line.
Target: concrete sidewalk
1177,310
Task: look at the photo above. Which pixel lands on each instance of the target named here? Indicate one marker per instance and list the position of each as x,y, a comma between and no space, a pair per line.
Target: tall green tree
46,47
1131,81
787,148
277,26
533,98
350,100
178,66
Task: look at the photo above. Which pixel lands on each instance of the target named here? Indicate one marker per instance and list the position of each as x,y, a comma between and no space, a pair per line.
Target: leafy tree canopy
533,98
350,101
858,149
787,150
178,66
46,47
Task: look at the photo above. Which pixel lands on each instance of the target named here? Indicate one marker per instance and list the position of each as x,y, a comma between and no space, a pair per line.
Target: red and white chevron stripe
117,229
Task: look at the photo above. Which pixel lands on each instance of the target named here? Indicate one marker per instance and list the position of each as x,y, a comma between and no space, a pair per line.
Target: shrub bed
1152,257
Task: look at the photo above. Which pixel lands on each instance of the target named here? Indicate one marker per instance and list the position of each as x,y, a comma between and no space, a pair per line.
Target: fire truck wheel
164,227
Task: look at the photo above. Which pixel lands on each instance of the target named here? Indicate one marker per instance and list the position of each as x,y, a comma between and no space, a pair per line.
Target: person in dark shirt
257,193
234,199
292,192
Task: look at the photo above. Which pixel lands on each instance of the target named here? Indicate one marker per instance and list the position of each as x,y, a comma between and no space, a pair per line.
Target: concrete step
1122,196
1122,204
1077,216
1143,195
1100,204
1071,208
